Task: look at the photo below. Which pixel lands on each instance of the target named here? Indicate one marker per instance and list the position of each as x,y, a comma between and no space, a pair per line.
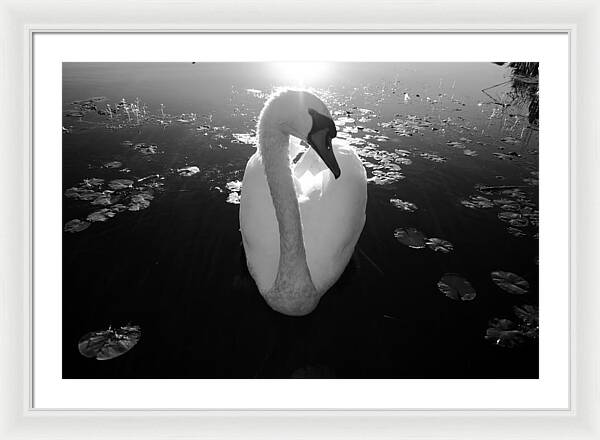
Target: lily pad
146,149
94,181
510,282
515,232
529,316
504,333
118,184
140,201
519,222
188,171
234,186
437,244
118,208
76,225
234,198
410,237
344,120
81,193
244,138
508,216
101,215
106,199
477,202
113,164
456,287
405,206
109,344
433,157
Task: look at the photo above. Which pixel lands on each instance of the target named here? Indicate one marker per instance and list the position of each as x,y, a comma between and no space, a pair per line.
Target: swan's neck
293,292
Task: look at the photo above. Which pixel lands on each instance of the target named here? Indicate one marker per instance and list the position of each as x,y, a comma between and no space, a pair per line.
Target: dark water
176,268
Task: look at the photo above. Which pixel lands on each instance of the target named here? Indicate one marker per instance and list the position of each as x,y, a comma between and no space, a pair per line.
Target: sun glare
301,73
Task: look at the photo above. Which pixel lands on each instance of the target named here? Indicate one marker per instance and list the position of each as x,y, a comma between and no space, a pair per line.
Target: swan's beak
321,143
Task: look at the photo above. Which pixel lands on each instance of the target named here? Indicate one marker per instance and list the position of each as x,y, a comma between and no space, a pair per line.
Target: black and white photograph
300,220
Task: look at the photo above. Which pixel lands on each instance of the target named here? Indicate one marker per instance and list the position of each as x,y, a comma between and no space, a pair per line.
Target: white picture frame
17,24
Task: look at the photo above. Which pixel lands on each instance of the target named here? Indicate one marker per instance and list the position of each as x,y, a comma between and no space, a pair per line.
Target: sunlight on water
301,74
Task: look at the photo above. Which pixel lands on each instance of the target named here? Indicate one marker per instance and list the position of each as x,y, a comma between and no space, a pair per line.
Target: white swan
300,222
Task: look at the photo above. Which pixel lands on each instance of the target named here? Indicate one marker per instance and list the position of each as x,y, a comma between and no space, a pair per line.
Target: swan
300,222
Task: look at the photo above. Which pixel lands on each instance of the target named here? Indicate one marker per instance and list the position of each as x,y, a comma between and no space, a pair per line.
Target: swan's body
299,222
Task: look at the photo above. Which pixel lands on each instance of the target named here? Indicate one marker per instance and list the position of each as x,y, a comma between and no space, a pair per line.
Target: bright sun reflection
301,73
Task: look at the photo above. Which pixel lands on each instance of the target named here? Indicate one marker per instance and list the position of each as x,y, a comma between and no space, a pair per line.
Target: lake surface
169,258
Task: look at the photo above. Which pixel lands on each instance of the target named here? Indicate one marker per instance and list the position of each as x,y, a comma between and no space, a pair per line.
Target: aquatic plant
76,225
410,237
510,282
109,344
188,171
504,333
456,287
439,245
404,206
508,334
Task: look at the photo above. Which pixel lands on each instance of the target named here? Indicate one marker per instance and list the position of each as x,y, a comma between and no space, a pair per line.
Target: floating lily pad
188,171
234,186
118,208
344,120
109,344
82,193
456,287
410,237
383,178
529,316
515,232
508,216
234,198
519,222
433,157
139,201
101,215
146,149
106,199
477,202
118,184
437,244
405,206
504,333
510,282
244,138
113,164
93,182
76,225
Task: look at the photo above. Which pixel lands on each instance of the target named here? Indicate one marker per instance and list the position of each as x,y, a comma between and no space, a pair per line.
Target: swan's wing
333,221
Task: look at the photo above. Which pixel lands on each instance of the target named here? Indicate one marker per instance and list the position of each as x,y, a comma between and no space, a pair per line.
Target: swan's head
302,114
